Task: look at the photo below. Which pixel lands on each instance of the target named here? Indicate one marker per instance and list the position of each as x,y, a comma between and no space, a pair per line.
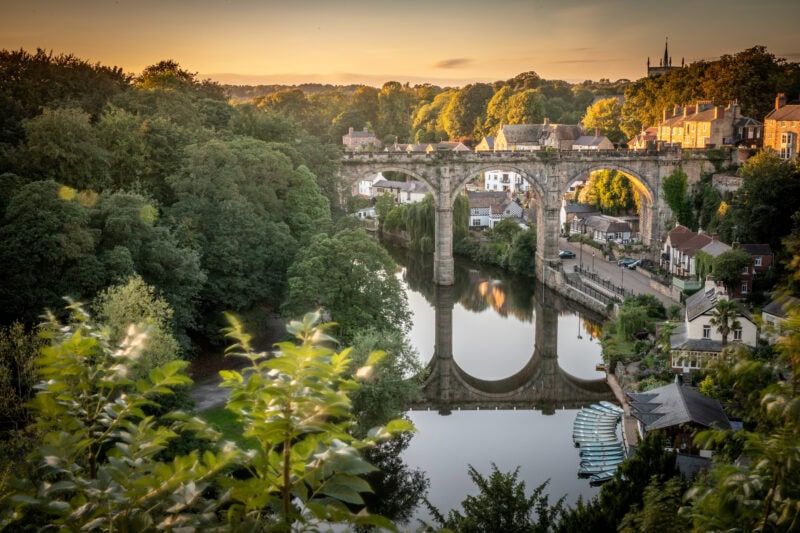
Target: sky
444,42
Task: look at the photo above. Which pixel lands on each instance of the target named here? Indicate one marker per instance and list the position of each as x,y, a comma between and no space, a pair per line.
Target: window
745,287
476,222
706,332
758,261
746,270
737,334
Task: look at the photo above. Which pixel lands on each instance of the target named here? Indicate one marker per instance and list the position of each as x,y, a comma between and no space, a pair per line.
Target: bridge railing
598,295
605,283
543,155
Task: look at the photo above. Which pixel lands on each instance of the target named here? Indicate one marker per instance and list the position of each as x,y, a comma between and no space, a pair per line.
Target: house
604,228
680,246
696,342
760,264
587,142
365,185
559,136
397,147
645,140
782,128
359,141
365,213
775,314
486,209
704,125
486,145
571,210
404,192
679,412
503,180
518,137
447,147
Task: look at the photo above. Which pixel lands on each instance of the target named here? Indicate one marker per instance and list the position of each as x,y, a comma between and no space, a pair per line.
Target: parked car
625,261
632,266
566,254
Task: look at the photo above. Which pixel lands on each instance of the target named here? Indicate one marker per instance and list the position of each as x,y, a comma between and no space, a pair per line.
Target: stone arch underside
360,173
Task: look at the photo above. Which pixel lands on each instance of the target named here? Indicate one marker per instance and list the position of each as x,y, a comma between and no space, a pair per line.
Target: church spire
666,51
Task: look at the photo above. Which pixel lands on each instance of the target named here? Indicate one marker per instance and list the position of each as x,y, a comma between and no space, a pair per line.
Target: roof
360,134
746,121
673,405
590,140
564,132
696,242
607,224
787,112
495,200
521,133
579,208
486,144
679,235
704,301
691,465
756,249
715,248
778,306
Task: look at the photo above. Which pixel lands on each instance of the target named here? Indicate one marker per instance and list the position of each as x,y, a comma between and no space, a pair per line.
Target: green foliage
501,505
96,465
659,509
675,187
727,267
526,107
604,115
296,405
610,191
504,231
724,318
653,306
352,277
465,114
394,383
522,254
631,320
18,352
703,264
135,302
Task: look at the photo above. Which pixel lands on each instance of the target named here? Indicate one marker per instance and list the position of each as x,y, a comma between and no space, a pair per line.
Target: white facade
365,186
503,180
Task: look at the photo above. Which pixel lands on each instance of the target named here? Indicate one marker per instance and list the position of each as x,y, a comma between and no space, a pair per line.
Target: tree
394,111
724,318
465,114
675,188
604,116
497,109
97,465
522,254
352,277
659,510
135,302
19,348
501,505
307,464
526,107
727,267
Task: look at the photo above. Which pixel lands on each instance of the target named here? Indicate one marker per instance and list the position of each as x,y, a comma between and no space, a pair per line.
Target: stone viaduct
540,384
550,174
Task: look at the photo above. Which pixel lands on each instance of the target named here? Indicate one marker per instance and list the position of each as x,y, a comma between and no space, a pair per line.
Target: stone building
359,141
704,125
664,64
782,128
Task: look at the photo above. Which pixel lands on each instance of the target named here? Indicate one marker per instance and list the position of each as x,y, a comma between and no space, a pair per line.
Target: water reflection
538,382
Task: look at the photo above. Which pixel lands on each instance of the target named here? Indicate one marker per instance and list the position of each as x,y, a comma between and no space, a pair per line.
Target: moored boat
601,477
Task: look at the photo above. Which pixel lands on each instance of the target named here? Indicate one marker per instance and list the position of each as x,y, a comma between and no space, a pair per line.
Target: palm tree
724,318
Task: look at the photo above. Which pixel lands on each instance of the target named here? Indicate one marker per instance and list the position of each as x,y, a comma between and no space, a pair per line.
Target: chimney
686,111
365,130
716,112
546,121
780,100
597,132
665,114
676,110
350,131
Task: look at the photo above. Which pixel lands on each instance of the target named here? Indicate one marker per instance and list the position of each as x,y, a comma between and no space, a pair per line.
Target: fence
606,284
576,283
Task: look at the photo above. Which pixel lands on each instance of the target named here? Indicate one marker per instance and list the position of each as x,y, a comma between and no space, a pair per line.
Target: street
592,260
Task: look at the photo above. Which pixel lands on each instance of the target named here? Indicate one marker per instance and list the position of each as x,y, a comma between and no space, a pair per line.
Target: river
509,364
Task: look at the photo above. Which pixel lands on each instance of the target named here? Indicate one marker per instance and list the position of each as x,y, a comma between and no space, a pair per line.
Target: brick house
759,265
359,141
782,128
705,124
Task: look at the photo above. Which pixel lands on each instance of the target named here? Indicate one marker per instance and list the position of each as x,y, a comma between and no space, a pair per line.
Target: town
433,267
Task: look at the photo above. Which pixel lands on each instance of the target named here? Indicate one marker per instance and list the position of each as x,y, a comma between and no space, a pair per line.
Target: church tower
664,64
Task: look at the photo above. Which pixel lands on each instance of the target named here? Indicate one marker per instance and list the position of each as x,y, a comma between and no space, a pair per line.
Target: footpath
630,432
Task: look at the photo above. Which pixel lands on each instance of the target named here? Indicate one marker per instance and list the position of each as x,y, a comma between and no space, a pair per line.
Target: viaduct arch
549,173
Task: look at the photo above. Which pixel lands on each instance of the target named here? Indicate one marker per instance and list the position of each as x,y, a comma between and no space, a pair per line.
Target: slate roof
495,200
521,133
787,112
756,249
486,144
704,300
778,306
673,405
696,242
746,121
564,132
607,224
579,208
691,465
589,140
715,247
411,186
679,235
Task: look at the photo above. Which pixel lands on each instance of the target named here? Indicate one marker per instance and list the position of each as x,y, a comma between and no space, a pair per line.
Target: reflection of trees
398,488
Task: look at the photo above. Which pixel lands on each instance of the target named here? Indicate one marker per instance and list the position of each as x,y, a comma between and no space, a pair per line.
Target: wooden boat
604,426
591,434
603,457
611,448
609,463
581,441
603,409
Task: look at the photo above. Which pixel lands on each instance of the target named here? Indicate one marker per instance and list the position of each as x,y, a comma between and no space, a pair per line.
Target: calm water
509,393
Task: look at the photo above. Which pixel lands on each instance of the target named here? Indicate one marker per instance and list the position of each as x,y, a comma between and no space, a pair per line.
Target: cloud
586,61
452,63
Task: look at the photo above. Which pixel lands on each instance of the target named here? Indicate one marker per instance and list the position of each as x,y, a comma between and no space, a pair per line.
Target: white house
604,228
774,314
486,209
404,192
503,180
696,342
570,210
365,213
365,185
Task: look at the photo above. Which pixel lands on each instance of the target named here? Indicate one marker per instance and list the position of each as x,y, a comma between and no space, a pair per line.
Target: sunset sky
373,41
